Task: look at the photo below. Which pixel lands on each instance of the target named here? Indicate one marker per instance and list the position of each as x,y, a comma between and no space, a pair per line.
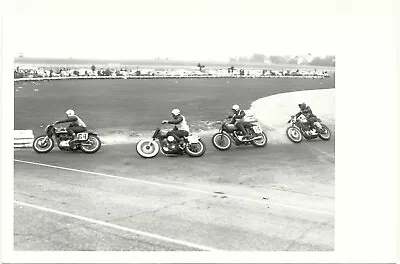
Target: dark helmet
302,106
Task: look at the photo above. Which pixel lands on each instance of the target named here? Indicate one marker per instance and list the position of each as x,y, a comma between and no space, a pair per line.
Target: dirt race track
280,197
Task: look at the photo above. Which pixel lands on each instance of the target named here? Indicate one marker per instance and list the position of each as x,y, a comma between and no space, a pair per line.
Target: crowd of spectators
46,72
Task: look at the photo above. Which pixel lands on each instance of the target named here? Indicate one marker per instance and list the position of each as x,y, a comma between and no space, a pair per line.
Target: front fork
44,140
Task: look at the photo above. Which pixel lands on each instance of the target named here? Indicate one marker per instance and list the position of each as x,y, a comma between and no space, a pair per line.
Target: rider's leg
71,132
76,130
174,134
181,134
240,125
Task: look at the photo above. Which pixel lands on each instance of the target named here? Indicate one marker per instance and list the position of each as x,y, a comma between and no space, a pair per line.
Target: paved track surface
280,197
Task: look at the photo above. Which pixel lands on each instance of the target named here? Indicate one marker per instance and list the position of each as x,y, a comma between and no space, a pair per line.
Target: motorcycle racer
181,128
238,120
76,124
311,118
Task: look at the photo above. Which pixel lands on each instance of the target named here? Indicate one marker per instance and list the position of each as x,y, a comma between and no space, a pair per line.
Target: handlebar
291,119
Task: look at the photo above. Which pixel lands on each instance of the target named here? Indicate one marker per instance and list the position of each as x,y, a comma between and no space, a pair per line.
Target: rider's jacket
75,121
238,116
180,123
306,112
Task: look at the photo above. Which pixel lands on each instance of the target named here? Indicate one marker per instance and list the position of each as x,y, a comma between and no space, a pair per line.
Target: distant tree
93,68
201,67
326,61
257,57
292,61
107,72
277,59
76,73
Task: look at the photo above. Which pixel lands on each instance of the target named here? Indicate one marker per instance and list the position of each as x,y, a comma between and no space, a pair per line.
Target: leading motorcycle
299,128
222,140
87,141
193,145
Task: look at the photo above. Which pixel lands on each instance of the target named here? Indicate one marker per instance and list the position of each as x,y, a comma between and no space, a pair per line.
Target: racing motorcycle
222,140
193,145
299,128
87,141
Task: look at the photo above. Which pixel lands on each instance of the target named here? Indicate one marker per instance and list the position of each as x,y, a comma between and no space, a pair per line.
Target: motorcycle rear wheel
260,142
326,135
198,152
95,146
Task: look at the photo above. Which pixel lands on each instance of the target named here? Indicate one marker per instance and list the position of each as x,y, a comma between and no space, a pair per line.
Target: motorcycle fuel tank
230,128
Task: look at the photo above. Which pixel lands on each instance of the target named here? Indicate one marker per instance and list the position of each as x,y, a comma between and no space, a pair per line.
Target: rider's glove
55,123
165,122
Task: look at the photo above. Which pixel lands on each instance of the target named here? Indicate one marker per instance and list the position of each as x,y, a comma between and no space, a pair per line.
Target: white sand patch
274,111
127,138
118,139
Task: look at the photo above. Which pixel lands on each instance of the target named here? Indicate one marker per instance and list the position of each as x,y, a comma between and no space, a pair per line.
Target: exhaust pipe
259,137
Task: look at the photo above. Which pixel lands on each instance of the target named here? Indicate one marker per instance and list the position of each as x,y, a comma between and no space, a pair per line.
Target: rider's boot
181,144
74,138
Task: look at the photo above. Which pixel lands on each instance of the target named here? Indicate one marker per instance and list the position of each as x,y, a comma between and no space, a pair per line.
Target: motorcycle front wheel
294,134
43,144
147,148
221,141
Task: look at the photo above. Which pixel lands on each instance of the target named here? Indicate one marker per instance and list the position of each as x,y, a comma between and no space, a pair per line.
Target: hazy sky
186,34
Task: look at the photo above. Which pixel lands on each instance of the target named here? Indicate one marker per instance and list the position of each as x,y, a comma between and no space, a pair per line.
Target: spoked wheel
196,149
294,134
326,135
221,141
147,148
92,145
43,144
260,142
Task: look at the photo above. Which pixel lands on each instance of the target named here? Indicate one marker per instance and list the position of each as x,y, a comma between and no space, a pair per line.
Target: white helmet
70,112
175,112
235,107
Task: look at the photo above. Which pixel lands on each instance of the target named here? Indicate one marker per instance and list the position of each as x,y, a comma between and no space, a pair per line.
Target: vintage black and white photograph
175,131
163,142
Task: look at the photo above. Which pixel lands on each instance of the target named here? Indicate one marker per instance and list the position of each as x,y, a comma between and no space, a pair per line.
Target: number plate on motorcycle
257,129
82,136
193,139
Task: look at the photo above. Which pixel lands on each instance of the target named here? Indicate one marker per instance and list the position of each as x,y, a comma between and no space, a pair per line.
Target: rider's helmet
175,112
302,106
70,112
235,108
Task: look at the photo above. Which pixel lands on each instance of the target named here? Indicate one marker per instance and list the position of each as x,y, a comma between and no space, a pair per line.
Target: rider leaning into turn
181,128
76,124
238,117
307,112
